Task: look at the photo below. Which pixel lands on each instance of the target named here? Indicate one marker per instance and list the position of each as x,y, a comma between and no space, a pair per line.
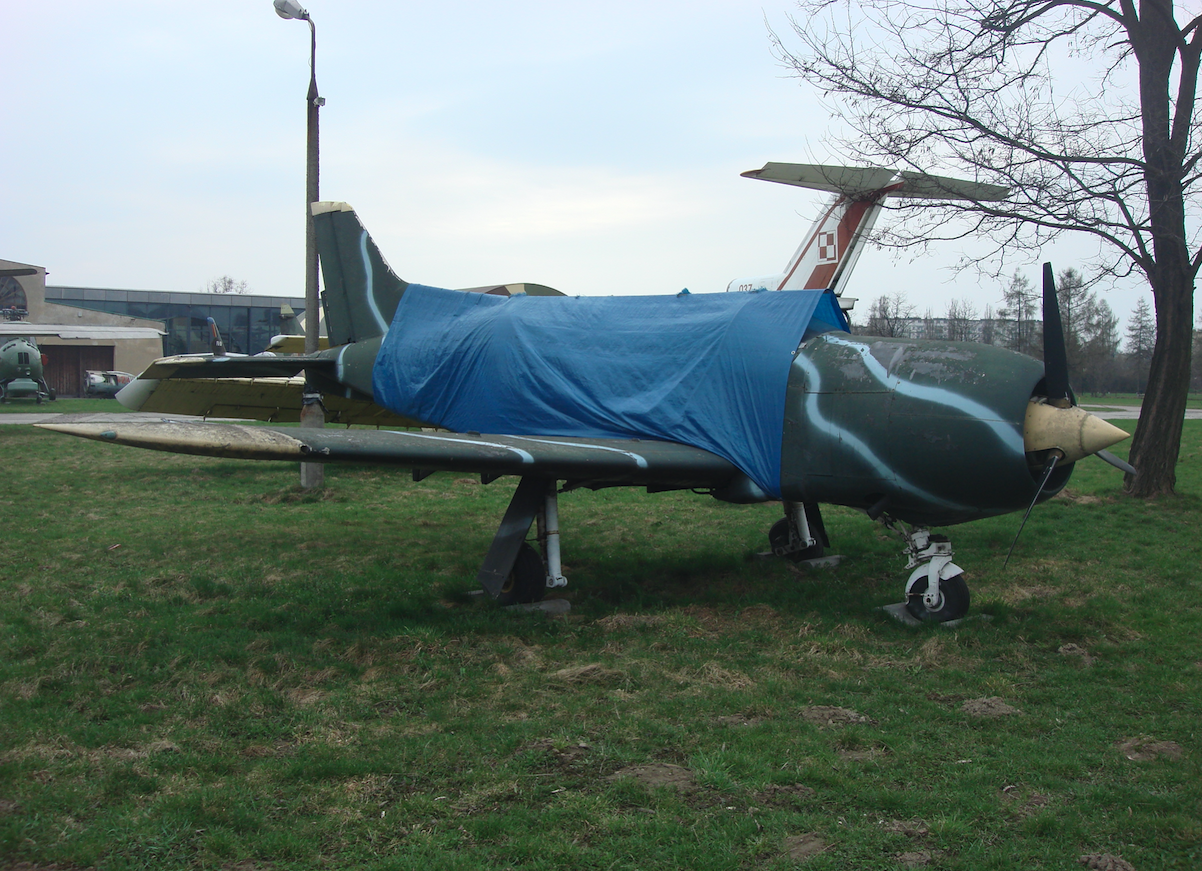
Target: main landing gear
799,535
514,571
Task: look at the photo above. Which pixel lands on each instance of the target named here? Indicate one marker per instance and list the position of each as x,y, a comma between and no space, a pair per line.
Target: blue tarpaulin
707,370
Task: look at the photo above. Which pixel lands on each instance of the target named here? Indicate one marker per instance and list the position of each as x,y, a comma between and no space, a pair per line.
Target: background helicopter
22,366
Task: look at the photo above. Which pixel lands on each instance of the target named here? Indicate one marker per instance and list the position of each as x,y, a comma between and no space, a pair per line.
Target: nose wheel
950,603
936,591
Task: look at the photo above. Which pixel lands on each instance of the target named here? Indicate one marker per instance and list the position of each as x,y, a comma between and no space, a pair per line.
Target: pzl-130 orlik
748,397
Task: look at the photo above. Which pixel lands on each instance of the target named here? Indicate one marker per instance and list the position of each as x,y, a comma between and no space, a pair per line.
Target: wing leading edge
580,462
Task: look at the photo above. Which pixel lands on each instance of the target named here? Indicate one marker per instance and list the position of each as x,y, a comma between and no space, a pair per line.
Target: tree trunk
1157,439
1154,39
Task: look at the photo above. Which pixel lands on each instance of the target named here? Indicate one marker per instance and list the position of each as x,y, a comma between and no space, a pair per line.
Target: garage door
65,365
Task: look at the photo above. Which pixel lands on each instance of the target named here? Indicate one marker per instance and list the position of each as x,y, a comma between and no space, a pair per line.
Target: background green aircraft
21,370
916,433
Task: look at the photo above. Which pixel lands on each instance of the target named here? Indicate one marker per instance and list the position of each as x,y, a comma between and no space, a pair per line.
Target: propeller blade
1049,467
1055,355
1120,464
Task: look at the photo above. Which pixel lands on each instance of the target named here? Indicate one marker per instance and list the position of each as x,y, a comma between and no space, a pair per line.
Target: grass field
201,667
67,405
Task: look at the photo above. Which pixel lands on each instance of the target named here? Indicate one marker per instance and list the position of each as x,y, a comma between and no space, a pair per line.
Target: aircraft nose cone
1075,432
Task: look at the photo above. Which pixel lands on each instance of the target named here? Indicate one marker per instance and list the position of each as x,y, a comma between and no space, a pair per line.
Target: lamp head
290,9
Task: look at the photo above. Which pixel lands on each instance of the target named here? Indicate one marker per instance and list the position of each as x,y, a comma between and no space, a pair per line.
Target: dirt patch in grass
1023,801
1147,749
909,828
563,755
862,753
1068,495
915,858
593,673
656,774
1105,862
832,717
1076,650
799,848
988,707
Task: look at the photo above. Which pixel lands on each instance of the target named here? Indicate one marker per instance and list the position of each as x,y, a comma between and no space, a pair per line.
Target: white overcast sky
592,147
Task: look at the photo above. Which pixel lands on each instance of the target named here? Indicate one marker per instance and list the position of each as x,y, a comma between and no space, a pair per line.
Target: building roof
66,294
78,331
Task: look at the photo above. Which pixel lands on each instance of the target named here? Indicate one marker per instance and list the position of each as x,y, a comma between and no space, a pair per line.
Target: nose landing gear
936,591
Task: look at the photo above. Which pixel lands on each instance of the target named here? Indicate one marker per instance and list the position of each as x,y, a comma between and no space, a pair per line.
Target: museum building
87,328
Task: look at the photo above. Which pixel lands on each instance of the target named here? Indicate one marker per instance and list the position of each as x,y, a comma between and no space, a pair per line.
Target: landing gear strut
799,535
514,573
936,591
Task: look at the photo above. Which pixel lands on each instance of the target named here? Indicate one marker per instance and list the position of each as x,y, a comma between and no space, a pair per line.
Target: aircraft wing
208,366
276,400
294,344
581,462
252,388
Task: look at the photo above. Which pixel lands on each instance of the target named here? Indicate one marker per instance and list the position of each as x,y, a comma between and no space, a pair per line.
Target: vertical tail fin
361,290
828,252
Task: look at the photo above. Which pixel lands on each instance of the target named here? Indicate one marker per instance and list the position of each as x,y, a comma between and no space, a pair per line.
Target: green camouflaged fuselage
933,428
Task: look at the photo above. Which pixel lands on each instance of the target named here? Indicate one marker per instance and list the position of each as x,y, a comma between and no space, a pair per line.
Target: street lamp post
312,412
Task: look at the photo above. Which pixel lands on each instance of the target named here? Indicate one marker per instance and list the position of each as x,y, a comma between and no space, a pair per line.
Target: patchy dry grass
201,667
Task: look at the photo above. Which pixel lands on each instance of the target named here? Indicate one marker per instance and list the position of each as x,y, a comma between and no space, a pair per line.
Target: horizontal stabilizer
828,253
857,183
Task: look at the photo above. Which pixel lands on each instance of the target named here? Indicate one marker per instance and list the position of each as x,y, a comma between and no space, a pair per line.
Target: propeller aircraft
747,397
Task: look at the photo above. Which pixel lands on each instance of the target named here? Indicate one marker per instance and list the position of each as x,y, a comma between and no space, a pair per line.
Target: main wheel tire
953,605
778,537
527,581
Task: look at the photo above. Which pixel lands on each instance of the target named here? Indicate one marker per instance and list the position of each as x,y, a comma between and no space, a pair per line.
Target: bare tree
888,314
961,321
226,284
969,84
